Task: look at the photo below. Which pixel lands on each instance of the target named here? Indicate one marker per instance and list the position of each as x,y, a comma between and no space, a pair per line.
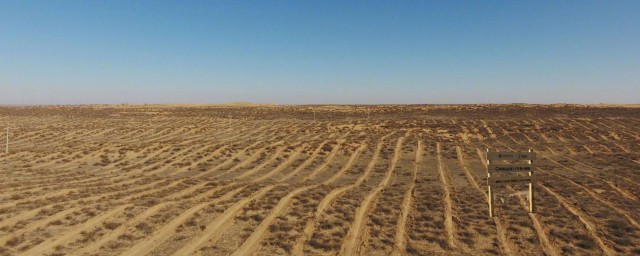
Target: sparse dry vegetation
269,180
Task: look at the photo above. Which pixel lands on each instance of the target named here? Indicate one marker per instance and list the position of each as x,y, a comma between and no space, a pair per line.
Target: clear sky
312,52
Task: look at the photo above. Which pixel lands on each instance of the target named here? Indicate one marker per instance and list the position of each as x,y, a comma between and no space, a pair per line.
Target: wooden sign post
6,149
519,162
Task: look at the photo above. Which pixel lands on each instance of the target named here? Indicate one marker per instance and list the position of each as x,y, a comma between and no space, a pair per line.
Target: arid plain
316,180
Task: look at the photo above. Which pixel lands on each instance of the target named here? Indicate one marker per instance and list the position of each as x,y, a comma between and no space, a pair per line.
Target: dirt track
269,180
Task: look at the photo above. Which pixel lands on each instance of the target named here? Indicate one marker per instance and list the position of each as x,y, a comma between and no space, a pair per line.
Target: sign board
494,155
510,180
491,168
508,170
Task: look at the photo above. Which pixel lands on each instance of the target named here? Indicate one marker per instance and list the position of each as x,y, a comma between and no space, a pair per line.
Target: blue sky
313,52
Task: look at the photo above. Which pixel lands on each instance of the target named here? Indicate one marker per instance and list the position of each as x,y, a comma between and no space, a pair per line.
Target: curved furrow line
39,224
54,188
505,245
581,217
216,227
170,136
347,166
448,212
621,191
328,160
310,227
49,245
111,166
276,154
546,244
92,178
242,132
199,160
186,157
62,166
132,136
223,219
52,137
56,141
20,138
242,163
236,137
115,233
252,243
5,158
144,137
60,163
89,179
254,156
353,241
625,130
172,158
28,214
627,194
306,163
589,226
400,239
157,134
144,247
29,199
91,135
31,156
608,203
593,194
228,161
167,229
294,156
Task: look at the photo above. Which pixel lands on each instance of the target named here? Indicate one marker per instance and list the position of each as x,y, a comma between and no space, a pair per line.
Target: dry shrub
16,240
191,222
5,251
55,223
16,197
282,227
111,225
126,237
144,227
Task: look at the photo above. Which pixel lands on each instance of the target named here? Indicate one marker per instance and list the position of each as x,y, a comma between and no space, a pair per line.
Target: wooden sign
509,180
494,155
491,168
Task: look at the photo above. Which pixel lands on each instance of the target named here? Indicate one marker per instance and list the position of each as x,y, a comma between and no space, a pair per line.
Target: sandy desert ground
316,180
